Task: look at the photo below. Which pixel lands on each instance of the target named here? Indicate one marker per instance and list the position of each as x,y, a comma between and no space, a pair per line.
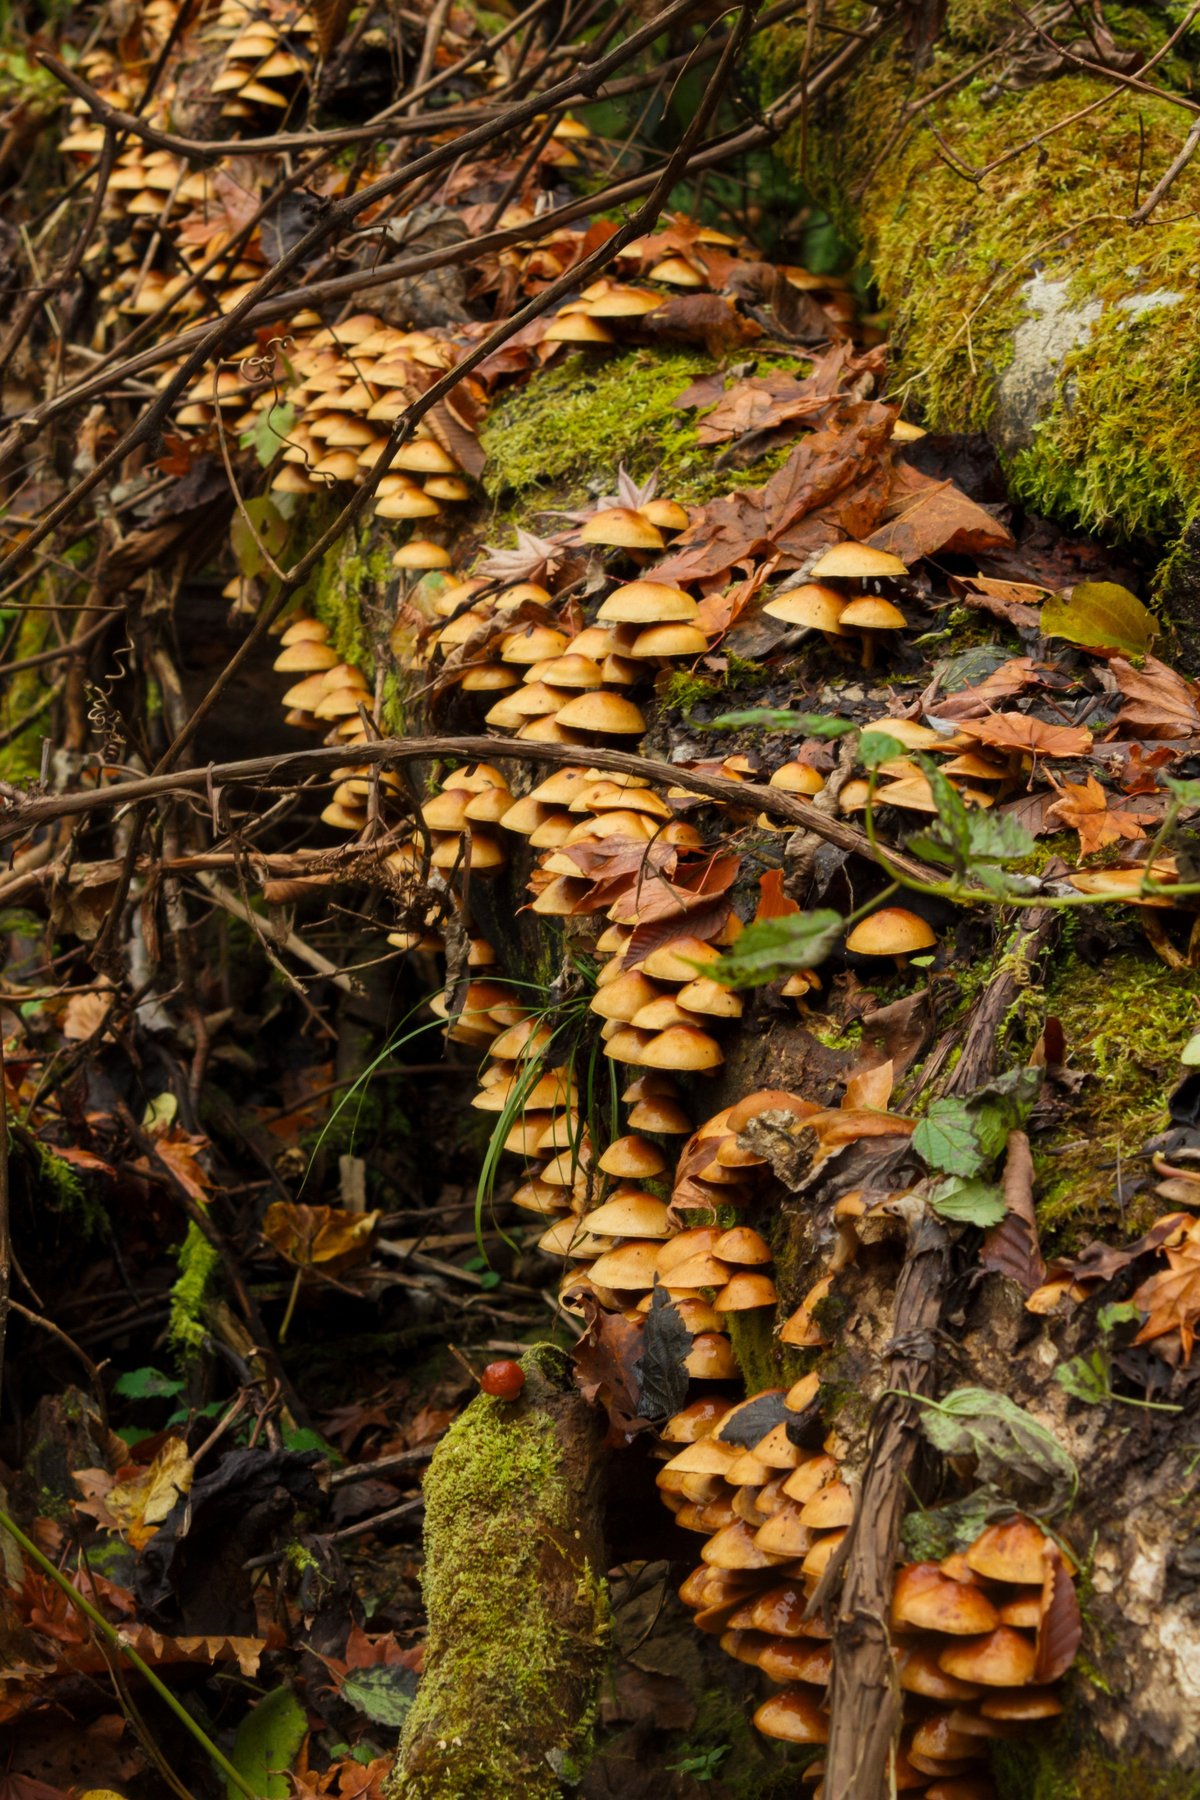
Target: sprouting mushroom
892,931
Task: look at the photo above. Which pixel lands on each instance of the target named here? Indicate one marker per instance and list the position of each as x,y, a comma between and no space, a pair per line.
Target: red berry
504,1380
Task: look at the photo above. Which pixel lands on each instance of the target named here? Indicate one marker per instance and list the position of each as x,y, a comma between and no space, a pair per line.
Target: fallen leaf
1171,1299
1084,808
1019,731
1100,615
1060,1626
139,1504
935,516
1161,703
1011,1248
328,1236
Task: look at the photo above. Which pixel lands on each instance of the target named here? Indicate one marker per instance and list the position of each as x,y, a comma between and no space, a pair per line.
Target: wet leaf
1013,1249
267,1742
1171,1299
1100,615
382,1694
661,1372
774,947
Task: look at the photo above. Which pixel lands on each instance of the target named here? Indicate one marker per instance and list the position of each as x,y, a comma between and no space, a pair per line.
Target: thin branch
1167,181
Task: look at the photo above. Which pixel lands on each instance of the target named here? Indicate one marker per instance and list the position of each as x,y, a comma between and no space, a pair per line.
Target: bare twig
1167,180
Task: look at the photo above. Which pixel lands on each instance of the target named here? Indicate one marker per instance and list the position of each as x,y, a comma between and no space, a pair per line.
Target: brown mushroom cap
676,961
631,1215
1012,1551
683,1047
744,1291
623,528
815,607
735,1548
1000,1658
696,1420
857,562
603,712
632,1159
704,995
742,1246
797,778
629,1266
711,1357
794,1714
420,553
892,931
797,1659
927,1600
648,603
830,1508
577,328
660,1114
1022,1703
919,1672
872,614
674,639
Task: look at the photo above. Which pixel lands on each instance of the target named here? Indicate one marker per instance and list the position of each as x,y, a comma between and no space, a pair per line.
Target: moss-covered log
1025,299
516,1596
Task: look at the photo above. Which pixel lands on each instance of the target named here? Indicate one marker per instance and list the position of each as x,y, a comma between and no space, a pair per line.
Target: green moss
1124,1022
575,424
192,1294
1120,445
493,1639
1050,1766
758,1351
682,691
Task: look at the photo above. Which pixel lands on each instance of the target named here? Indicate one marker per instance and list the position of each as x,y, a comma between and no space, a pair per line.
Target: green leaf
968,1202
1012,1451
1100,615
303,1437
969,842
929,1535
776,947
946,1138
779,718
267,1743
268,432
1120,1312
1086,1378
382,1694
272,530
961,1137
147,1384
1190,1055
160,1112
875,747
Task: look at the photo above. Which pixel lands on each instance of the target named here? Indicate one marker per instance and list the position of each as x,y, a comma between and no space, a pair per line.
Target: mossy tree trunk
516,1596
1027,299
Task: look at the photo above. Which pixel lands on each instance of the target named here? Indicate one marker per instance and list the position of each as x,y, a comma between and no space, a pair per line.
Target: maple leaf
1084,808
1171,1299
139,1504
533,559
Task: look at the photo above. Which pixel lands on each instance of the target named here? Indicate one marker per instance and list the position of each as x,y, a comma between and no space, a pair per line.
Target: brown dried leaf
1161,703
326,1235
1084,808
1019,731
1171,1299
1011,1248
1060,1627
935,516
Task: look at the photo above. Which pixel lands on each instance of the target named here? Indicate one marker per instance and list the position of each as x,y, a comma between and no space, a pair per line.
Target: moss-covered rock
1024,301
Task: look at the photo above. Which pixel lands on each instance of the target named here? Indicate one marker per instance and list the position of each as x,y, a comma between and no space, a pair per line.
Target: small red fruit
503,1380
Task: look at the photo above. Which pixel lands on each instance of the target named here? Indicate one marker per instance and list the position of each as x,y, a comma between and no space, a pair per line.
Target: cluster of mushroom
827,601
761,1482
266,62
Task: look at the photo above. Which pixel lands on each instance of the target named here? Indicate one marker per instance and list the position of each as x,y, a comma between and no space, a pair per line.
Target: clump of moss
1124,1022
192,1294
1118,445
1049,1766
574,424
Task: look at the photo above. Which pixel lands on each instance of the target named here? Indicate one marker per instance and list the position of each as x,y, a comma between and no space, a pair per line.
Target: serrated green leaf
268,432
875,747
947,1140
1003,1105
1012,1451
969,1201
1100,615
267,1743
775,947
382,1693
779,718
